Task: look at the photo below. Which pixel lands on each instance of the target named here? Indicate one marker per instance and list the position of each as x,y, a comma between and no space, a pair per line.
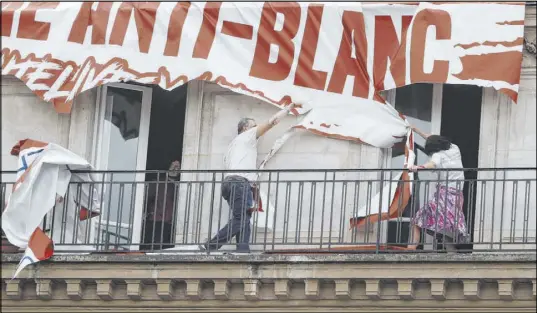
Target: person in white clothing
443,216
237,186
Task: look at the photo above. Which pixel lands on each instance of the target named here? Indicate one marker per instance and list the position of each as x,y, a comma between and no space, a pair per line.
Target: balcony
305,245
306,211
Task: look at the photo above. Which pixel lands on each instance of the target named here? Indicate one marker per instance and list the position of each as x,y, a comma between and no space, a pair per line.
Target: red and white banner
331,59
43,178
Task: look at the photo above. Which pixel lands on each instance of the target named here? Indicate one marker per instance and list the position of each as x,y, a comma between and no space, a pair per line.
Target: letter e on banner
422,21
267,35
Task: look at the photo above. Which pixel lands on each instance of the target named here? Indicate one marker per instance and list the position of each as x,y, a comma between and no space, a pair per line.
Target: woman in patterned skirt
443,216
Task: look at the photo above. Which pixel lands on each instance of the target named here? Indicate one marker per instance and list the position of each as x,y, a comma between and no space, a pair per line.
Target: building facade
194,123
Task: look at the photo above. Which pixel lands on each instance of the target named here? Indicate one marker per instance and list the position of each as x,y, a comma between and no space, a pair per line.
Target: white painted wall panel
506,208
26,116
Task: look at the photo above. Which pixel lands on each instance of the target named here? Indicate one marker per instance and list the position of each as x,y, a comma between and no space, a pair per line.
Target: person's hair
243,123
436,143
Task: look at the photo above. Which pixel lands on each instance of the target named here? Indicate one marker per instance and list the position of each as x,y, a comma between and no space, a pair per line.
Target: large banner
332,59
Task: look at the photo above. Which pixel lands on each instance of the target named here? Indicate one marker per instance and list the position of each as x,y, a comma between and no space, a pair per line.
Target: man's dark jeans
236,190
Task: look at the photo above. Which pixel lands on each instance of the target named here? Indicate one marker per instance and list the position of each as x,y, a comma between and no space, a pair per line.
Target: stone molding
530,18
299,282
530,46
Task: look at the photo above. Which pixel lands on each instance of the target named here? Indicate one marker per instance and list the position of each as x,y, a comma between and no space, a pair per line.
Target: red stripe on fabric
41,245
87,214
25,144
400,198
22,178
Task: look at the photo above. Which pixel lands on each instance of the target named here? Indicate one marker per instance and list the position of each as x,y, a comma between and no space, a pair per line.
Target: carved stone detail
134,289
508,289
13,289
324,283
471,289
74,289
105,289
311,289
251,289
405,288
221,289
43,289
193,289
438,289
505,289
282,288
343,288
372,289
165,289
530,46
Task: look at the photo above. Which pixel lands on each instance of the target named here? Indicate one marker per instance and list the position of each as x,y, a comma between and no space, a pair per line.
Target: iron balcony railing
304,211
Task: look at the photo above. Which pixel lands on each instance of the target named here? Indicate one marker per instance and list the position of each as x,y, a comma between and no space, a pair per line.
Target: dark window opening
165,145
461,122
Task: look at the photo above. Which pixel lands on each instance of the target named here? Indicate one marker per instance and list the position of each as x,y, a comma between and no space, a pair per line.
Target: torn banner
386,204
43,177
265,218
393,199
332,59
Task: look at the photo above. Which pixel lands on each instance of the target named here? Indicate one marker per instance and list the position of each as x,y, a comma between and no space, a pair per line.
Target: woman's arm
429,165
419,132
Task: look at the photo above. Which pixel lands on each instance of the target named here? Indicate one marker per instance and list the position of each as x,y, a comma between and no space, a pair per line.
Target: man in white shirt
237,186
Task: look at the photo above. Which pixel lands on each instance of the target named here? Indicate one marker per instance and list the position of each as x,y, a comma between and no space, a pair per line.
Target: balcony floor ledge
476,257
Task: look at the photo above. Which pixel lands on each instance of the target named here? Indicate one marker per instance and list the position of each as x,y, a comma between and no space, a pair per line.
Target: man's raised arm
275,119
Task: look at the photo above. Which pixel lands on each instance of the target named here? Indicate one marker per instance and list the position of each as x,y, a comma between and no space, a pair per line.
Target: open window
138,128
453,111
121,140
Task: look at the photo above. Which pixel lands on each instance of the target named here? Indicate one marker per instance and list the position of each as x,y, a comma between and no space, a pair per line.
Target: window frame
101,139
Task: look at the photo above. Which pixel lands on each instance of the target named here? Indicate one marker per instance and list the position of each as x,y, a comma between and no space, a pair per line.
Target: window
139,128
121,141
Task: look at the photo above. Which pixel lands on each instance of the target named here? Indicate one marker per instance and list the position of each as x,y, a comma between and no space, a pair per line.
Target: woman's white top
447,159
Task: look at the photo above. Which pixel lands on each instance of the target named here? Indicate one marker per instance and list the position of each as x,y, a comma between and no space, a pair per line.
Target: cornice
226,285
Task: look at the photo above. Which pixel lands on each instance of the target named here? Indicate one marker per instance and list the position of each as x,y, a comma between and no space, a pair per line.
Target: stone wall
354,283
26,116
508,138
